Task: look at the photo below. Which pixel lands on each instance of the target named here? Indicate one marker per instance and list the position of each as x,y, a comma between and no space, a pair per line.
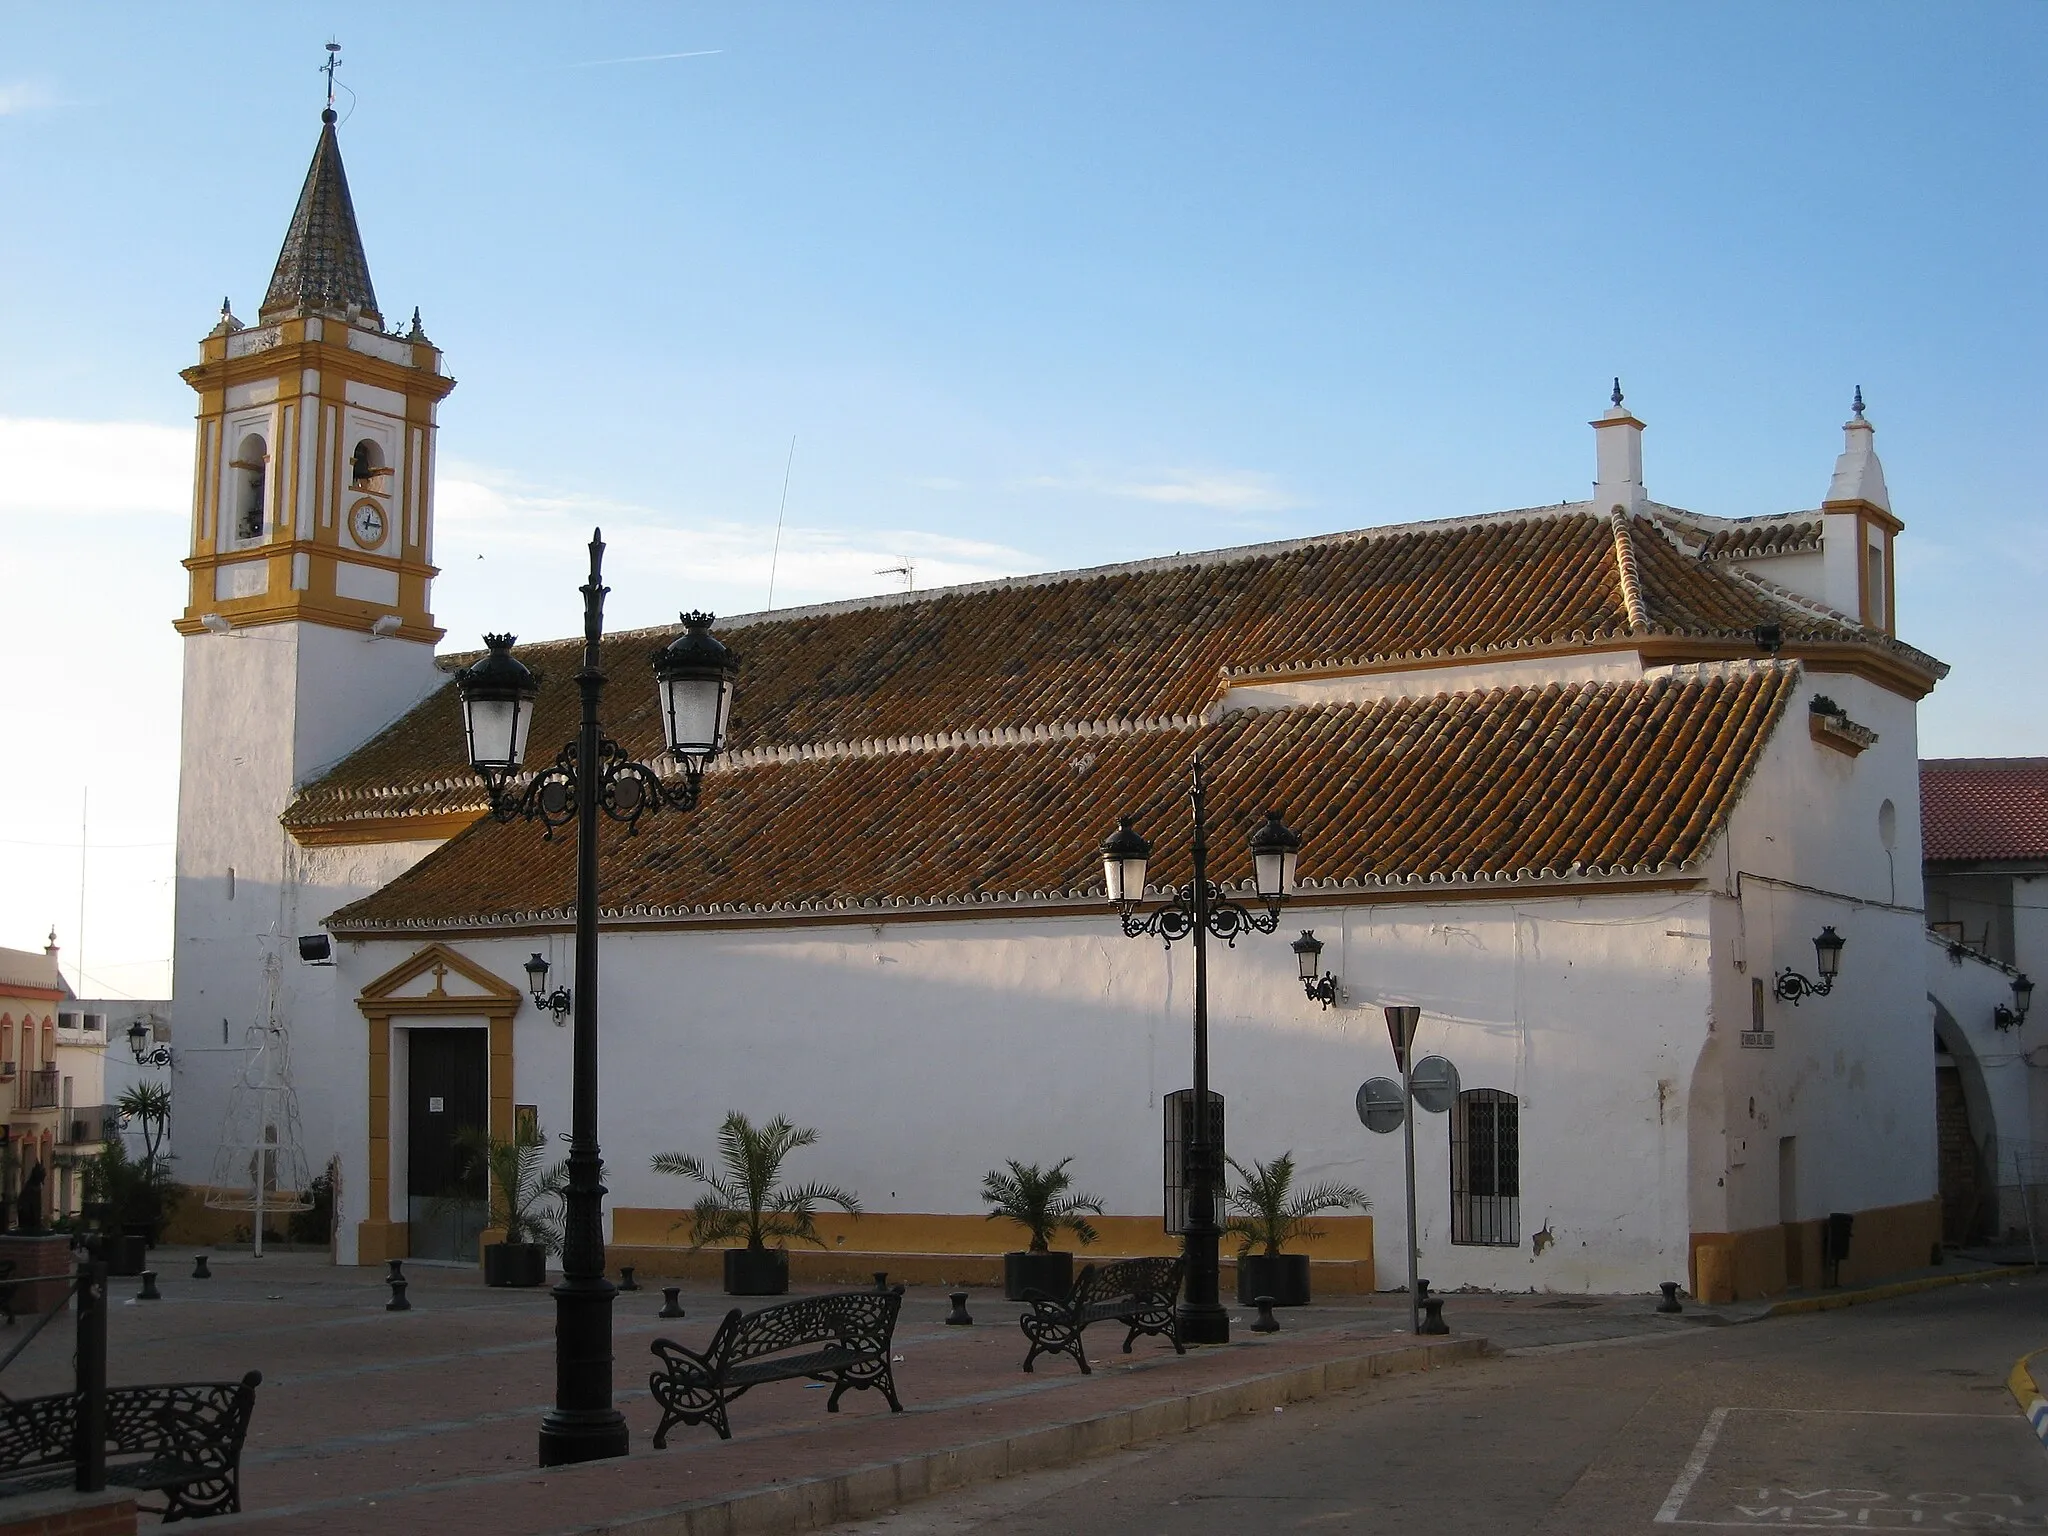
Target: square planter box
1051,1274
1284,1278
752,1272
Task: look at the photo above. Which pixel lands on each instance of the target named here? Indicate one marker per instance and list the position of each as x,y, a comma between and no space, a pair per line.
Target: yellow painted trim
384,829
1346,1239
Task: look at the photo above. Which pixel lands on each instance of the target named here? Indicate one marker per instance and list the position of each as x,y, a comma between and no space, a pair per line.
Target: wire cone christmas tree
260,1166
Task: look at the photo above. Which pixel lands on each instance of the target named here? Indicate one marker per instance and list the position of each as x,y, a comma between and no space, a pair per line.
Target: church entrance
447,1095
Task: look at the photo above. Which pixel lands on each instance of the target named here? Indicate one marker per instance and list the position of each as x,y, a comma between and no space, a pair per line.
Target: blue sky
1031,288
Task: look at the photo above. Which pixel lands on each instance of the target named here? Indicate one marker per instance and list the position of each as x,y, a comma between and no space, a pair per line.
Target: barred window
1486,1168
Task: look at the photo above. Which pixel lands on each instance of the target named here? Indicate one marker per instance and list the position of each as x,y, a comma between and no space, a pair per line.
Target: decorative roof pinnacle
1616,396
1857,408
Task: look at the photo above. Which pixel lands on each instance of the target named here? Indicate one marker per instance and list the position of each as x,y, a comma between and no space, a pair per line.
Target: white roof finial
1858,475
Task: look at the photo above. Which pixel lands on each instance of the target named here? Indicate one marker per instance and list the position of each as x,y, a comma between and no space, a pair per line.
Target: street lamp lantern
1274,850
592,773
694,674
1124,853
1827,952
146,1053
1308,955
497,708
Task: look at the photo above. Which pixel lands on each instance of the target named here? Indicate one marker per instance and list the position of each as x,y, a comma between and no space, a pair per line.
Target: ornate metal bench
844,1337
183,1439
1139,1293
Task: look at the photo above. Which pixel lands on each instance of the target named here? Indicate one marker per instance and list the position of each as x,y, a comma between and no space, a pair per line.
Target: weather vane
333,63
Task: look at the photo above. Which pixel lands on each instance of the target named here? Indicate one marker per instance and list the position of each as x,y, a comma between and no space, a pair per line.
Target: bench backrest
1126,1277
861,1320
37,1431
203,1422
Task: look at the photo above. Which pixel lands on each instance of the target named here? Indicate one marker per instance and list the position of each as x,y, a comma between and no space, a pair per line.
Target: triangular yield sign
1401,1021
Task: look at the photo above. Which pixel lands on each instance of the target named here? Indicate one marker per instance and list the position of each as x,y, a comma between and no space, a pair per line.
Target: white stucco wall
1850,1075
264,710
925,1053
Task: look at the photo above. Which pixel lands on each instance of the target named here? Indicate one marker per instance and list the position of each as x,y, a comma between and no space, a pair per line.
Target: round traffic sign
1379,1105
1435,1084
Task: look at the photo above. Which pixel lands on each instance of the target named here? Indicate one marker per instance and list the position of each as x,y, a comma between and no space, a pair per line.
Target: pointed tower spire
322,265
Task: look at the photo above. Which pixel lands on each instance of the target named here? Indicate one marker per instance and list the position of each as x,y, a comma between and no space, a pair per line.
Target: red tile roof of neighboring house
1145,643
1984,808
1474,789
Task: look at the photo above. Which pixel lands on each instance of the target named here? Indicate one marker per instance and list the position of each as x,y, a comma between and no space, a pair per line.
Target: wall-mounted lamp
146,1055
556,1002
1308,957
316,949
1827,957
2022,999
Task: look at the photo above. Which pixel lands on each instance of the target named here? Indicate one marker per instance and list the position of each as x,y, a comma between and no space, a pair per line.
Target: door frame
382,1234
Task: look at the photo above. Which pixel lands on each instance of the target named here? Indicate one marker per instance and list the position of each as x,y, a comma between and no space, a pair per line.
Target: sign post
1401,1021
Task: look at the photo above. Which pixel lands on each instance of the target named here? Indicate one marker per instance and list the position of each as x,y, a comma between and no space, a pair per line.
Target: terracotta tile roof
1977,808
1747,538
1500,787
1148,642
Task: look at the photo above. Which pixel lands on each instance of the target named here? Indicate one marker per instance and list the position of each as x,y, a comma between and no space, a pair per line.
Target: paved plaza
426,1419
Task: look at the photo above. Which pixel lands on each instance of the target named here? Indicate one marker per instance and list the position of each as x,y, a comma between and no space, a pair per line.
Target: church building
1624,797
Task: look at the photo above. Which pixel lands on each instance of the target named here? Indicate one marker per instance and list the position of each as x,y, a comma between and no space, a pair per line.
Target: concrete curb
2027,1393
1800,1305
811,1504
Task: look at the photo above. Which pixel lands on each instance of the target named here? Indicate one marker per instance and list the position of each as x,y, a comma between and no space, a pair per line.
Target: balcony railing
89,1125
42,1087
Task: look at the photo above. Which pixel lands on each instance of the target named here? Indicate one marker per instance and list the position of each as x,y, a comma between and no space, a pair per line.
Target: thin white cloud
84,467
647,58
1219,490
528,538
18,96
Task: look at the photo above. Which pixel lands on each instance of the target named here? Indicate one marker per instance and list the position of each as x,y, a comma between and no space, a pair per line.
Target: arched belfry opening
251,465
367,468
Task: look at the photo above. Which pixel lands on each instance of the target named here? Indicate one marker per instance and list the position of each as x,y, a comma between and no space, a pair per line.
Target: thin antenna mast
333,63
776,553
84,820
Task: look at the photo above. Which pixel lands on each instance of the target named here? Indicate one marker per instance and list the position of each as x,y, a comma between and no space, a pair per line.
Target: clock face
366,522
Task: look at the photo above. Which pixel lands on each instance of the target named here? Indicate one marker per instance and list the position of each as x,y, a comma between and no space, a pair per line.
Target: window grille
1486,1168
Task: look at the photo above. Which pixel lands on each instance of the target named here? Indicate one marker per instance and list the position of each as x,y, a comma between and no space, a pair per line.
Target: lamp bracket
1791,986
1329,992
628,790
1175,920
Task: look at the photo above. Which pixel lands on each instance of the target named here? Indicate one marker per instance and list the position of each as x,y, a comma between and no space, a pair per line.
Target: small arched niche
250,464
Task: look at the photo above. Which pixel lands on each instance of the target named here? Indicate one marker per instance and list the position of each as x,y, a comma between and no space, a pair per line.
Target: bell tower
313,472
308,627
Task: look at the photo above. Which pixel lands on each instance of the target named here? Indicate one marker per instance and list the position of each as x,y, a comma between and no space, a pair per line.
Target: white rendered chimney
1857,530
1618,437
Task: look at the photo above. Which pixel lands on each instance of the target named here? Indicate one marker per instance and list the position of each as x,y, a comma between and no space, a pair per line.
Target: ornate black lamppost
694,675
1196,910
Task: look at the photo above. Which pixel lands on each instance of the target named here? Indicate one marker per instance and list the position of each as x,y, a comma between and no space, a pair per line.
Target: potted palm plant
1041,1201
1267,1213
747,1200
525,1203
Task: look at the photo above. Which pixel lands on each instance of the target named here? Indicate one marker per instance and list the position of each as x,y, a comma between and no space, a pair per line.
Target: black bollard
199,1269
149,1292
958,1317
397,1303
394,1270
1433,1316
1670,1301
1267,1322
670,1306
881,1280
1421,1291
626,1280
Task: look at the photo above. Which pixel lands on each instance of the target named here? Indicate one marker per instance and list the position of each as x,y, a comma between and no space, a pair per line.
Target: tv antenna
907,570
333,63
